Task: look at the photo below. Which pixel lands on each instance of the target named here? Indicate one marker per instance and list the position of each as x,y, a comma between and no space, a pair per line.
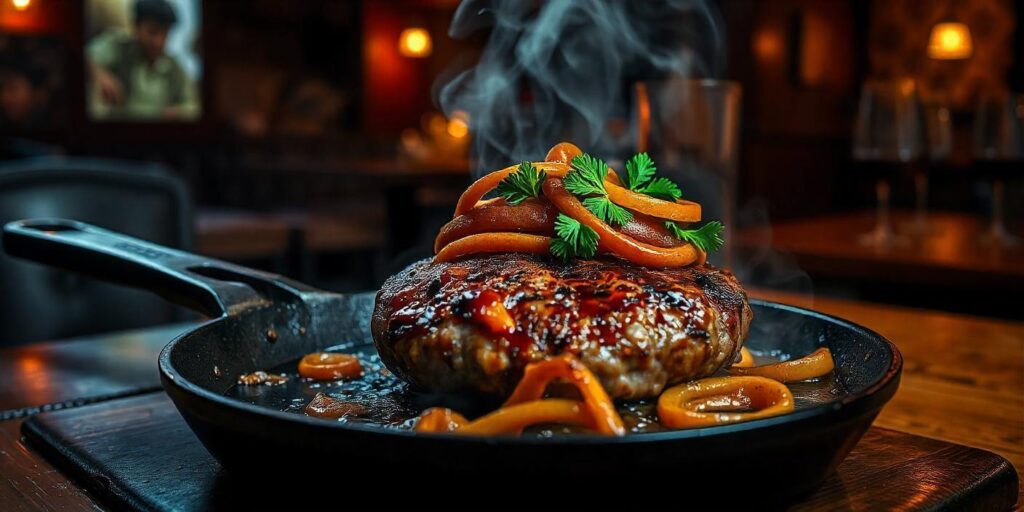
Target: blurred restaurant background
864,149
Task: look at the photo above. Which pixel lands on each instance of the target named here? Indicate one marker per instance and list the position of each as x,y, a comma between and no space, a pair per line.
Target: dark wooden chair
141,199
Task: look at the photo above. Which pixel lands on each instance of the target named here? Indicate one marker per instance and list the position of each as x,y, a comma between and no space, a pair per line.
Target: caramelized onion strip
746,359
815,364
330,366
697,404
440,419
596,401
532,216
493,243
679,211
615,242
482,186
563,152
513,419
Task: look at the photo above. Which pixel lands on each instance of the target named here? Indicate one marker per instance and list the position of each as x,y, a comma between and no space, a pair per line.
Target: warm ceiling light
21,5
415,42
950,40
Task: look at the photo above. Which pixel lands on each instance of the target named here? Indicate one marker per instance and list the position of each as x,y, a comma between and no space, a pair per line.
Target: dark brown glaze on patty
474,324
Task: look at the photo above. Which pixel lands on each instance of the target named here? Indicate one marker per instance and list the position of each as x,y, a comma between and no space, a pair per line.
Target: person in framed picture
133,76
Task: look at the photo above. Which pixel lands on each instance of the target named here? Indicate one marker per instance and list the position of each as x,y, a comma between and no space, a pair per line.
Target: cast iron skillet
262,320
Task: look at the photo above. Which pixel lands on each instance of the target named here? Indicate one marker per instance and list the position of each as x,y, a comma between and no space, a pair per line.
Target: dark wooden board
138,453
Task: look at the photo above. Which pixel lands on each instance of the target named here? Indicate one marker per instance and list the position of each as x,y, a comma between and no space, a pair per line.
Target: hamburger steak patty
474,324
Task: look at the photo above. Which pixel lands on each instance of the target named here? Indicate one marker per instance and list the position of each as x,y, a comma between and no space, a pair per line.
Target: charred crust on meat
637,328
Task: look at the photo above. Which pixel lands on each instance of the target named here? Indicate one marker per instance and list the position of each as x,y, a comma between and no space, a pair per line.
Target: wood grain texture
149,459
950,255
963,377
29,483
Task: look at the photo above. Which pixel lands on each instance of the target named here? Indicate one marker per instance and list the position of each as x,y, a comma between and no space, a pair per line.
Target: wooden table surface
963,376
951,254
45,376
962,382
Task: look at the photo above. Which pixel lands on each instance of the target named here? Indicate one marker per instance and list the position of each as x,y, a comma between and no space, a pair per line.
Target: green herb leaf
604,209
524,183
587,179
662,188
708,238
639,170
574,239
587,176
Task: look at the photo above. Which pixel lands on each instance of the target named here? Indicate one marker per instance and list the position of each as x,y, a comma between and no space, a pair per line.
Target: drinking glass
938,147
887,137
999,152
691,129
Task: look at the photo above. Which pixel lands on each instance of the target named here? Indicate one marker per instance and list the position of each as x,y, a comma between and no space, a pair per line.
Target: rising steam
561,69
555,70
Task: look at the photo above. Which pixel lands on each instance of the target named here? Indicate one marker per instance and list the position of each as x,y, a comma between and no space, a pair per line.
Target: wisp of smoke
560,69
554,70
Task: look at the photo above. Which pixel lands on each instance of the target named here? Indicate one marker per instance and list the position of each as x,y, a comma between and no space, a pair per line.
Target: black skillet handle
212,287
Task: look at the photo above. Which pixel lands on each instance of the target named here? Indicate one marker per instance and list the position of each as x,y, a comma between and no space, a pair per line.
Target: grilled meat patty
474,324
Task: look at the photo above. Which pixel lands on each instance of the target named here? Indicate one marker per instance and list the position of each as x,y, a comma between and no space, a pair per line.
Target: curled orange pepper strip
680,211
813,365
746,359
440,419
494,242
563,152
512,419
614,241
556,164
532,216
482,186
596,401
714,401
526,407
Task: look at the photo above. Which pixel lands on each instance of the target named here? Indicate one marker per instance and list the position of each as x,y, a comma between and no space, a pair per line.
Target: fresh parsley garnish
640,178
574,240
607,211
587,176
707,238
587,179
522,184
662,188
639,170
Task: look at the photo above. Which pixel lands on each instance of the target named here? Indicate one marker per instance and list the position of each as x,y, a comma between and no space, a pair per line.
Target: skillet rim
848,405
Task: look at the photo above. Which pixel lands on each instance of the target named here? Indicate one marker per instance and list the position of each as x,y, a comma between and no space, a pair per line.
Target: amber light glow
21,5
949,41
415,42
458,125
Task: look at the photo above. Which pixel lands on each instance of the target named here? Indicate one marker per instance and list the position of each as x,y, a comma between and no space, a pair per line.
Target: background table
961,383
950,255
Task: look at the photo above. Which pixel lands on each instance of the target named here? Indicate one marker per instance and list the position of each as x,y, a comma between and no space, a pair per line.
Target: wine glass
887,137
999,151
938,147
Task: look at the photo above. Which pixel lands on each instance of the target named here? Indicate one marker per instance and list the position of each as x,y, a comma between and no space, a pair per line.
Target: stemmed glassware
998,152
938,138
887,137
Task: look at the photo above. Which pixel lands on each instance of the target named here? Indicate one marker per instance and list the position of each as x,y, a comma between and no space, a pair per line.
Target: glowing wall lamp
415,42
950,40
21,5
